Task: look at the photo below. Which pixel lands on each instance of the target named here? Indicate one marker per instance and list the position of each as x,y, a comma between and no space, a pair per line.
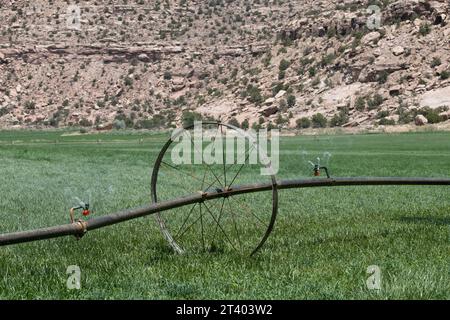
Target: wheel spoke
185,221
208,166
231,166
182,171
223,231
223,157
201,223
234,223
245,208
220,216
187,228
203,180
246,158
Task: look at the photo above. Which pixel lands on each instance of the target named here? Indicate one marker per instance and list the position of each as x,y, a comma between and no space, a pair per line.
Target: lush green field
323,242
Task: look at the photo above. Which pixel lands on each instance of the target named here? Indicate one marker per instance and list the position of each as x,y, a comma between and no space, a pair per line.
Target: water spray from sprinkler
317,167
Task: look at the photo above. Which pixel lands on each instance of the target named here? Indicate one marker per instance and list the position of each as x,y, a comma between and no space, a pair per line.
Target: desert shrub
284,64
303,123
157,121
280,120
233,121
382,114
245,124
270,126
167,75
327,59
129,122
432,115
85,122
254,94
189,117
278,87
54,122
375,101
3,111
435,62
382,77
445,75
290,100
360,104
404,116
386,122
30,105
119,124
424,29
340,118
319,121
128,81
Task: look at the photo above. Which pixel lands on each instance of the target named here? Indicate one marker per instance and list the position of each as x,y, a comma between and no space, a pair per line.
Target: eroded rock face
345,23
436,98
222,65
403,10
407,9
382,66
110,54
340,23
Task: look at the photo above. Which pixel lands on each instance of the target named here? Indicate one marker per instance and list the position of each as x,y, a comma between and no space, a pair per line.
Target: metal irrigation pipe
80,227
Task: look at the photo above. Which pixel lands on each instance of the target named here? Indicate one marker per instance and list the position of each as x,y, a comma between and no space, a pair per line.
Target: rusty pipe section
79,228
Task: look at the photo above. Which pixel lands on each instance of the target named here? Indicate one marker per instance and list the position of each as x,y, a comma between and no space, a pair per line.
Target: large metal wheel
239,223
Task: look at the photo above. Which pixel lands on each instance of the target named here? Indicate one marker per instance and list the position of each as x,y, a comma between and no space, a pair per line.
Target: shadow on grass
426,220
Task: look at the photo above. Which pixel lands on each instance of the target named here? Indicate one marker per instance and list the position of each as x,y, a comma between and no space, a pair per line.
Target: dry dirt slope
255,62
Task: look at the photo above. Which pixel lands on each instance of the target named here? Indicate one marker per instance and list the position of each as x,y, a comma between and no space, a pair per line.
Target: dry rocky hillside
279,63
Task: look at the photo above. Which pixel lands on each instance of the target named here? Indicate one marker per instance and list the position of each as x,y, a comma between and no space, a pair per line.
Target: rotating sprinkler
317,167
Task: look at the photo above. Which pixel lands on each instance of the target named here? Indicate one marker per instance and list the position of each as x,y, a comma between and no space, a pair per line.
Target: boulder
178,83
398,50
371,37
269,101
420,120
269,111
280,94
445,115
395,90
144,57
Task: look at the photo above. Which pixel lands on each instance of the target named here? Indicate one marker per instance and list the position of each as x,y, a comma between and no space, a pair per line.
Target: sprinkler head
316,170
86,210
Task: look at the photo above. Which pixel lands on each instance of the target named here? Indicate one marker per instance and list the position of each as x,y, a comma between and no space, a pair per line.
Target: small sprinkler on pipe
84,206
317,167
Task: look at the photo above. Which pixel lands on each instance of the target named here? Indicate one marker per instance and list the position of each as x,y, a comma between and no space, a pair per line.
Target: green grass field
323,242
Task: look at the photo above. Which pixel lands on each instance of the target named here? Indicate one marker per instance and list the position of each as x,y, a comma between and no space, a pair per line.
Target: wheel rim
240,223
